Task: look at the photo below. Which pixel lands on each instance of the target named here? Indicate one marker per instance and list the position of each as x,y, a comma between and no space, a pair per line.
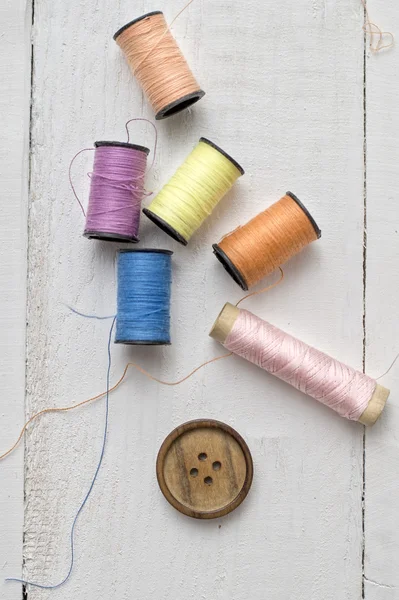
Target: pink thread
329,381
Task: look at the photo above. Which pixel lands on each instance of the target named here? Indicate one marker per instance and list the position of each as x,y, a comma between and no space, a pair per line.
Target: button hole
208,480
202,456
194,472
217,465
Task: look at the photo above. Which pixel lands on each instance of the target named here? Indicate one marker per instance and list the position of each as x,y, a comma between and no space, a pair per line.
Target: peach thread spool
157,62
256,249
350,393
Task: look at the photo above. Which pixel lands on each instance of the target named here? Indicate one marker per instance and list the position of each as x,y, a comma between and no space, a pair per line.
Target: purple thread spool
116,192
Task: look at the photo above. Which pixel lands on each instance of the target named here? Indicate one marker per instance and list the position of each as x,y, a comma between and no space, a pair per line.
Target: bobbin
224,325
108,236
162,224
143,342
177,105
232,270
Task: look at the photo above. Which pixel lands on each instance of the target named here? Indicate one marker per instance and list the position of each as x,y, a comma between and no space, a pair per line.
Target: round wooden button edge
165,446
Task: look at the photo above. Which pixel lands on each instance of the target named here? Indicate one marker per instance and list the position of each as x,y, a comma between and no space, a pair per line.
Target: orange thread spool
159,65
256,249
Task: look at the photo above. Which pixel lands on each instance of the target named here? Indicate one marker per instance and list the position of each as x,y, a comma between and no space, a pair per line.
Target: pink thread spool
351,393
116,192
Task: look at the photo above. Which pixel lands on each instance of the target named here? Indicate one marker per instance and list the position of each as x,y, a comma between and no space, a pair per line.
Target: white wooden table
295,96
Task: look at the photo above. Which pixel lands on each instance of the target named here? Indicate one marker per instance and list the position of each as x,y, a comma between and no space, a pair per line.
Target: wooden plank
284,87
15,22
382,460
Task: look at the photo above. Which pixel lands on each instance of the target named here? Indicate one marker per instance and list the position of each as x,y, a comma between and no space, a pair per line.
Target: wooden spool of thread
159,65
255,250
351,393
194,191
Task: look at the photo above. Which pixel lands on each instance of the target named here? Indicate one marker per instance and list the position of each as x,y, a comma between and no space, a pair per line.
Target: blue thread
86,316
53,587
144,284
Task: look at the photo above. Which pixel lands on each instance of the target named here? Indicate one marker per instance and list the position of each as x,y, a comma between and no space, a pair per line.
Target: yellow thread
118,383
195,189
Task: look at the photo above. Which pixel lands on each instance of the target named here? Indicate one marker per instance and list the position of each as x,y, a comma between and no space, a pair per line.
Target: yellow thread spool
194,191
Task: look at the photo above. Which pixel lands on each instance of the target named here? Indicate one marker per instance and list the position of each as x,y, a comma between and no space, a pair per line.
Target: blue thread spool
144,285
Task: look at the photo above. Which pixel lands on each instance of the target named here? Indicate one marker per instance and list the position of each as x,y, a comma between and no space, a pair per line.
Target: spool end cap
165,226
375,406
224,322
229,267
178,105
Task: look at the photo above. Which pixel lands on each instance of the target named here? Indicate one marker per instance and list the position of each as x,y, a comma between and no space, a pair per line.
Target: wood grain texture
382,278
15,23
204,469
284,96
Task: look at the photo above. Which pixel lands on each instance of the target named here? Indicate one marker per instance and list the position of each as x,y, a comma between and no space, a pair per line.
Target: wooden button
204,469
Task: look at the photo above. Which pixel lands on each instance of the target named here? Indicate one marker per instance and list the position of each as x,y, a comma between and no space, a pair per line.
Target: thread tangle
194,191
143,298
157,62
376,35
255,250
331,382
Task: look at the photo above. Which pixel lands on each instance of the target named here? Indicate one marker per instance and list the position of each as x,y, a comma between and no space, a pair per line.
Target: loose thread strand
156,137
120,380
93,481
387,371
137,67
70,178
111,389
86,316
368,29
266,289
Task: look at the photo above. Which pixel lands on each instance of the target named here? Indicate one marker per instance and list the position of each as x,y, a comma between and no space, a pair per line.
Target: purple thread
70,177
116,192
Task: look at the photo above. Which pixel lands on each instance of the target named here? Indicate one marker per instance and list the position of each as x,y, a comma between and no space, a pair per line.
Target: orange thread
375,32
266,289
120,380
102,394
160,67
256,249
